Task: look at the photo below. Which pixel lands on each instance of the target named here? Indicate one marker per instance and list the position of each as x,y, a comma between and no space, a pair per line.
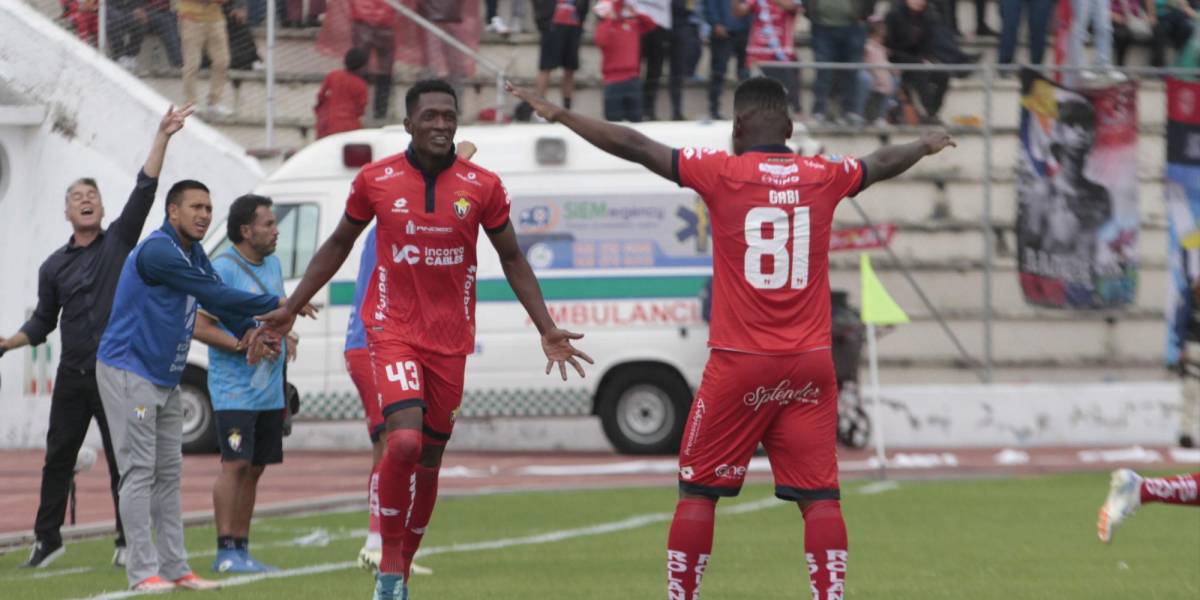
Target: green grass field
1021,538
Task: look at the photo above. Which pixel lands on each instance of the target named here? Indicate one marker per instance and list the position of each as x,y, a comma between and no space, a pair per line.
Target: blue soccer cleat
231,561
390,586
254,566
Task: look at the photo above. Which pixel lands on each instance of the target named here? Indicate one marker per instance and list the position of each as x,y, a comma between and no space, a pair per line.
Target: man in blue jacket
728,40
141,359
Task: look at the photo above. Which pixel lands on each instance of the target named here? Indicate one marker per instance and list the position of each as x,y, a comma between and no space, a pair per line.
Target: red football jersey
423,288
771,213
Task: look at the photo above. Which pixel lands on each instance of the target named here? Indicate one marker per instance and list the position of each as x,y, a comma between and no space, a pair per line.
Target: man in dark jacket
912,27
79,281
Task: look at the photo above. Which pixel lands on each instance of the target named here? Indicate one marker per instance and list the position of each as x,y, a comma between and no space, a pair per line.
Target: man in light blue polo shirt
248,400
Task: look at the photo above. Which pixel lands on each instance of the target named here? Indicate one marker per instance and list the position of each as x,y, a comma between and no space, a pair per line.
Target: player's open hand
544,108
278,321
310,311
173,121
556,343
936,141
259,343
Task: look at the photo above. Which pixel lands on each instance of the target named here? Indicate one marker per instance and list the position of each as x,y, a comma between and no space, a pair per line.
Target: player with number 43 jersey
419,306
769,377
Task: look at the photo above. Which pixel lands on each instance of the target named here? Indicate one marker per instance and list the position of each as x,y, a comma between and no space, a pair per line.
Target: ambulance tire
643,409
199,423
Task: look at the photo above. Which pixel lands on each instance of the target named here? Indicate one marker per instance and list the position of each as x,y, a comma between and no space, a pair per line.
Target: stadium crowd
640,42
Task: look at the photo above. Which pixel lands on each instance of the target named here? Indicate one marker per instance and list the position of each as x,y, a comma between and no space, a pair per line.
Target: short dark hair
761,94
175,194
356,58
242,212
88,181
427,86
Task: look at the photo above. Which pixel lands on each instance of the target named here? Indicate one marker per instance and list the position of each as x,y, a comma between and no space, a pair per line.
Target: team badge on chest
462,206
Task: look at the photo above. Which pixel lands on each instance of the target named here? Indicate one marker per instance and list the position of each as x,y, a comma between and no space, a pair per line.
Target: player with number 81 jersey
771,214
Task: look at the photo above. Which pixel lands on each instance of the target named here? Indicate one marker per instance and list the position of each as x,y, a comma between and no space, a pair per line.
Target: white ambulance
622,256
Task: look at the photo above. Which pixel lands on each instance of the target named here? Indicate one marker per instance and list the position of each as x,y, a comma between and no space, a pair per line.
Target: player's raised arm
890,161
324,265
617,140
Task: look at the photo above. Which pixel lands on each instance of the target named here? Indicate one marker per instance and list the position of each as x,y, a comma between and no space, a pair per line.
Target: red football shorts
358,365
406,377
788,403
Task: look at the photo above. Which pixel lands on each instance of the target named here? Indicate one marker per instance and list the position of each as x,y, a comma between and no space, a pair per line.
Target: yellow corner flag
877,306
1191,241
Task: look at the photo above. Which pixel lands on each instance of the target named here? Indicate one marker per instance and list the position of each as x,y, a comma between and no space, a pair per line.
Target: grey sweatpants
146,422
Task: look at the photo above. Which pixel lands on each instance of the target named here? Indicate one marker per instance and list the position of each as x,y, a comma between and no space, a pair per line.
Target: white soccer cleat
1124,498
369,560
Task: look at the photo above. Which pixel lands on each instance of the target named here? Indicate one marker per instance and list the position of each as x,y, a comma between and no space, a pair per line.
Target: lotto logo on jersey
686,473
400,205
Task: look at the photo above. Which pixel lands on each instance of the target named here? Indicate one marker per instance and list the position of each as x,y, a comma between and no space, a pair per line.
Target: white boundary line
541,538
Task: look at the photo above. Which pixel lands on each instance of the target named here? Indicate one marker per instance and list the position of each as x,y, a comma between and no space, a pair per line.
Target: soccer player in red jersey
419,309
770,376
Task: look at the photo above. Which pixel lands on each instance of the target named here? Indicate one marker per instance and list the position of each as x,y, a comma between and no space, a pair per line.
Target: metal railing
983,369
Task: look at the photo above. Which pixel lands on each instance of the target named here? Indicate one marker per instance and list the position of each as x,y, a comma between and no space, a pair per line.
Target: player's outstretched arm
890,161
617,140
556,343
321,269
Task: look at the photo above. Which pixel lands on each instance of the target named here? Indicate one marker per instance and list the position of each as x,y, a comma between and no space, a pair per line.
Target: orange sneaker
191,582
153,584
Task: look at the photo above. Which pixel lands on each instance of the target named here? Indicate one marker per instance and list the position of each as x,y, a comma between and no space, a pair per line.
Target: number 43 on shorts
406,373
775,247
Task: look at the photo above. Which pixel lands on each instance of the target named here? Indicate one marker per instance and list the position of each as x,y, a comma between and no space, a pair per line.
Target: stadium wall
67,112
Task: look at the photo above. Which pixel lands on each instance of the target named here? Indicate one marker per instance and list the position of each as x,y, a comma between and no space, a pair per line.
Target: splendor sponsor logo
783,394
734,472
784,197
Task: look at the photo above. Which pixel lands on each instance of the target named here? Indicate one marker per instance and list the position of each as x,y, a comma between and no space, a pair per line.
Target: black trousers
657,46
75,402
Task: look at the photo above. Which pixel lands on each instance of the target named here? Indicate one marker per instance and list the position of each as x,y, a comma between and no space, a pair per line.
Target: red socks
825,548
1180,489
396,493
426,481
688,547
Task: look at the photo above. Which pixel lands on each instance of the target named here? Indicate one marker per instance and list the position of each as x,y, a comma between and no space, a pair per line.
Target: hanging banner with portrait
1077,206
1182,194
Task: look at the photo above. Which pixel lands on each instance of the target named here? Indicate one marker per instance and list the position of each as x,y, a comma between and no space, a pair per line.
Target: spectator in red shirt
772,38
619,37
342,99
373,29
81,15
